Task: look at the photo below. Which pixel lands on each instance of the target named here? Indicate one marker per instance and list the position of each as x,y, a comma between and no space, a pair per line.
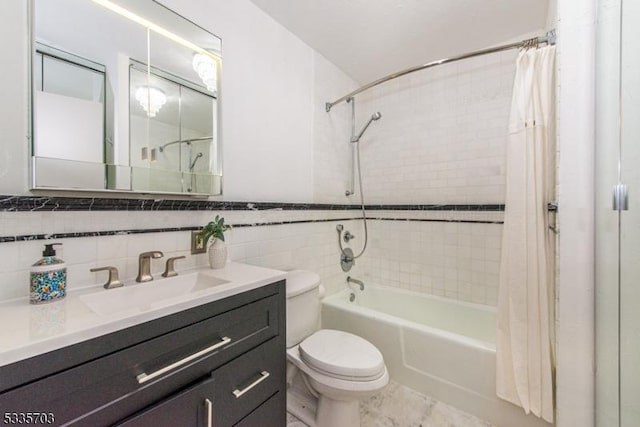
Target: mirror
124,98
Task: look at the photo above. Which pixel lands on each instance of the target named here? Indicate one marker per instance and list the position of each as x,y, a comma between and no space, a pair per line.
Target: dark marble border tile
53,236
57,204
468,221
457,208
51,204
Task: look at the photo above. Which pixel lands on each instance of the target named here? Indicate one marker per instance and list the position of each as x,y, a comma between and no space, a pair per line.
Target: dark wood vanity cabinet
219,364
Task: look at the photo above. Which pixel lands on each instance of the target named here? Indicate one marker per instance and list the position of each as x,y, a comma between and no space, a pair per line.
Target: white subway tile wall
310,246
454,260
442,135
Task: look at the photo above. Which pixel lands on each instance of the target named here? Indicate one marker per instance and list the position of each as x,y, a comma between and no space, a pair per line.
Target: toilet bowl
337,369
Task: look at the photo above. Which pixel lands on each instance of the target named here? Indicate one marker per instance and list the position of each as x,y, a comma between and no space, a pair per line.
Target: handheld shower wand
374,116
355,140
193,163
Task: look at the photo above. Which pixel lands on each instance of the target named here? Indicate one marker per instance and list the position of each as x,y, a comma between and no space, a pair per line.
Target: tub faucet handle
348,236
347,260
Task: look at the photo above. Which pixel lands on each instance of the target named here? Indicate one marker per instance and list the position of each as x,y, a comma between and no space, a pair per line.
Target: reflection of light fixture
151,99
153,27
205,66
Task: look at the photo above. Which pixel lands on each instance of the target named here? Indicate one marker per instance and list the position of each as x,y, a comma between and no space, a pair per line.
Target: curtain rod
549,38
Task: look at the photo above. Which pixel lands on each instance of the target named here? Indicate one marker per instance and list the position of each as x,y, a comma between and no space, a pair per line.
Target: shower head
193,163
374,116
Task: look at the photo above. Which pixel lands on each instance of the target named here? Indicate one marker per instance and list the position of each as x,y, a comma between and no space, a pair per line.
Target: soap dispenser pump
48,278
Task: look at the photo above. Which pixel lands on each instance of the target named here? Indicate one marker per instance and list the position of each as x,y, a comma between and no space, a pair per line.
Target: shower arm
183,141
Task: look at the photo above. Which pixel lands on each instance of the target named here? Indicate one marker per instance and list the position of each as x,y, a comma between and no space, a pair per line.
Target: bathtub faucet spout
356,281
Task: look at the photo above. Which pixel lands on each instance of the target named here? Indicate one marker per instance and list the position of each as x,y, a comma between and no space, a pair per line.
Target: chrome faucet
356,281
144,265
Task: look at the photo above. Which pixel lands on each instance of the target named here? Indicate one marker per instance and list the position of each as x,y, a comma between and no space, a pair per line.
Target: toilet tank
303,305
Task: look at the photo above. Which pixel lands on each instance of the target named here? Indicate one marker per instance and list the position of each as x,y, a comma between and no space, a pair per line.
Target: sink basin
150,295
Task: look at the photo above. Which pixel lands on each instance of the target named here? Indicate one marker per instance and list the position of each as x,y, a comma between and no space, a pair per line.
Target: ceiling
369,39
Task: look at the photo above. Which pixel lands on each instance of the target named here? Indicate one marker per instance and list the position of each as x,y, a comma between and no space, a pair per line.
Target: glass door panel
630,219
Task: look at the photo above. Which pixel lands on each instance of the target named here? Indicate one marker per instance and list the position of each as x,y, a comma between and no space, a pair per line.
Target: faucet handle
114,278
348,236
169,270
151,254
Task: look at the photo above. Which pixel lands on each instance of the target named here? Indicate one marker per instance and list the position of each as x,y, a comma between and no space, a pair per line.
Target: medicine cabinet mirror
125,97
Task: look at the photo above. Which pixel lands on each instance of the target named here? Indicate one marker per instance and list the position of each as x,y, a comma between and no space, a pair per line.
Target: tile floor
400,406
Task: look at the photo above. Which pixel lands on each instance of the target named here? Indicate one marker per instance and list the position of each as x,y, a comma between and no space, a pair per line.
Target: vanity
211,354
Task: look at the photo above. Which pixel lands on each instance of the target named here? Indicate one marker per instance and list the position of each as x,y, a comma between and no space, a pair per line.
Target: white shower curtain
525,348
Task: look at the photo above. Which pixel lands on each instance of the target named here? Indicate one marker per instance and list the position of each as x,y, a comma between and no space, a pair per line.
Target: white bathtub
437,346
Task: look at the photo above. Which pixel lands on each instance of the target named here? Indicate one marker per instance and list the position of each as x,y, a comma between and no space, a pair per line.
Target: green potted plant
214,231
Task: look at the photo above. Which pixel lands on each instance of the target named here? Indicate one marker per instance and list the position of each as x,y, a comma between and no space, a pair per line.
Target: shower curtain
525,338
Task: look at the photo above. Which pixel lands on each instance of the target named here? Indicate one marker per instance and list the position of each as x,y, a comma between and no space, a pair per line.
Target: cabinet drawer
243,384
192,407
74,395
270,414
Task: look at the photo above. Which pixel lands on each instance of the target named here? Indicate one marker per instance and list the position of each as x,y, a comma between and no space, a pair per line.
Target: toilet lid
342,354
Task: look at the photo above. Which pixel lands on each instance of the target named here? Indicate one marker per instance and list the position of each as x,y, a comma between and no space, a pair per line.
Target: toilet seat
344,387
342,355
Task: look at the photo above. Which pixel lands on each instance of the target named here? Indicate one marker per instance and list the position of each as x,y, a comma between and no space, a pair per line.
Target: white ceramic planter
217,254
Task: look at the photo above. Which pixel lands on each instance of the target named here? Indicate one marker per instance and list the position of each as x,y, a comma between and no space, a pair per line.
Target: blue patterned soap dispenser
48,278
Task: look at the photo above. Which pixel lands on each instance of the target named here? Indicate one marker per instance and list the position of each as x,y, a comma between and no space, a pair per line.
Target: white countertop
29,330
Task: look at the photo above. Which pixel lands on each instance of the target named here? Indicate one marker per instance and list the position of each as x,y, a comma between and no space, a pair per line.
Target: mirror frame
218,172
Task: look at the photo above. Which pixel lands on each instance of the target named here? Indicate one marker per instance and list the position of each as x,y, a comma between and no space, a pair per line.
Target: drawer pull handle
263,376
143,378
209,405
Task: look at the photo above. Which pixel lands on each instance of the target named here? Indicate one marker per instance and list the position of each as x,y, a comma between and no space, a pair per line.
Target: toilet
328,371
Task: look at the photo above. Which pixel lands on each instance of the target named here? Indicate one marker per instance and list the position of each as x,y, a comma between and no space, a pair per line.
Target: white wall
267,102
13,99
552,15
575,321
